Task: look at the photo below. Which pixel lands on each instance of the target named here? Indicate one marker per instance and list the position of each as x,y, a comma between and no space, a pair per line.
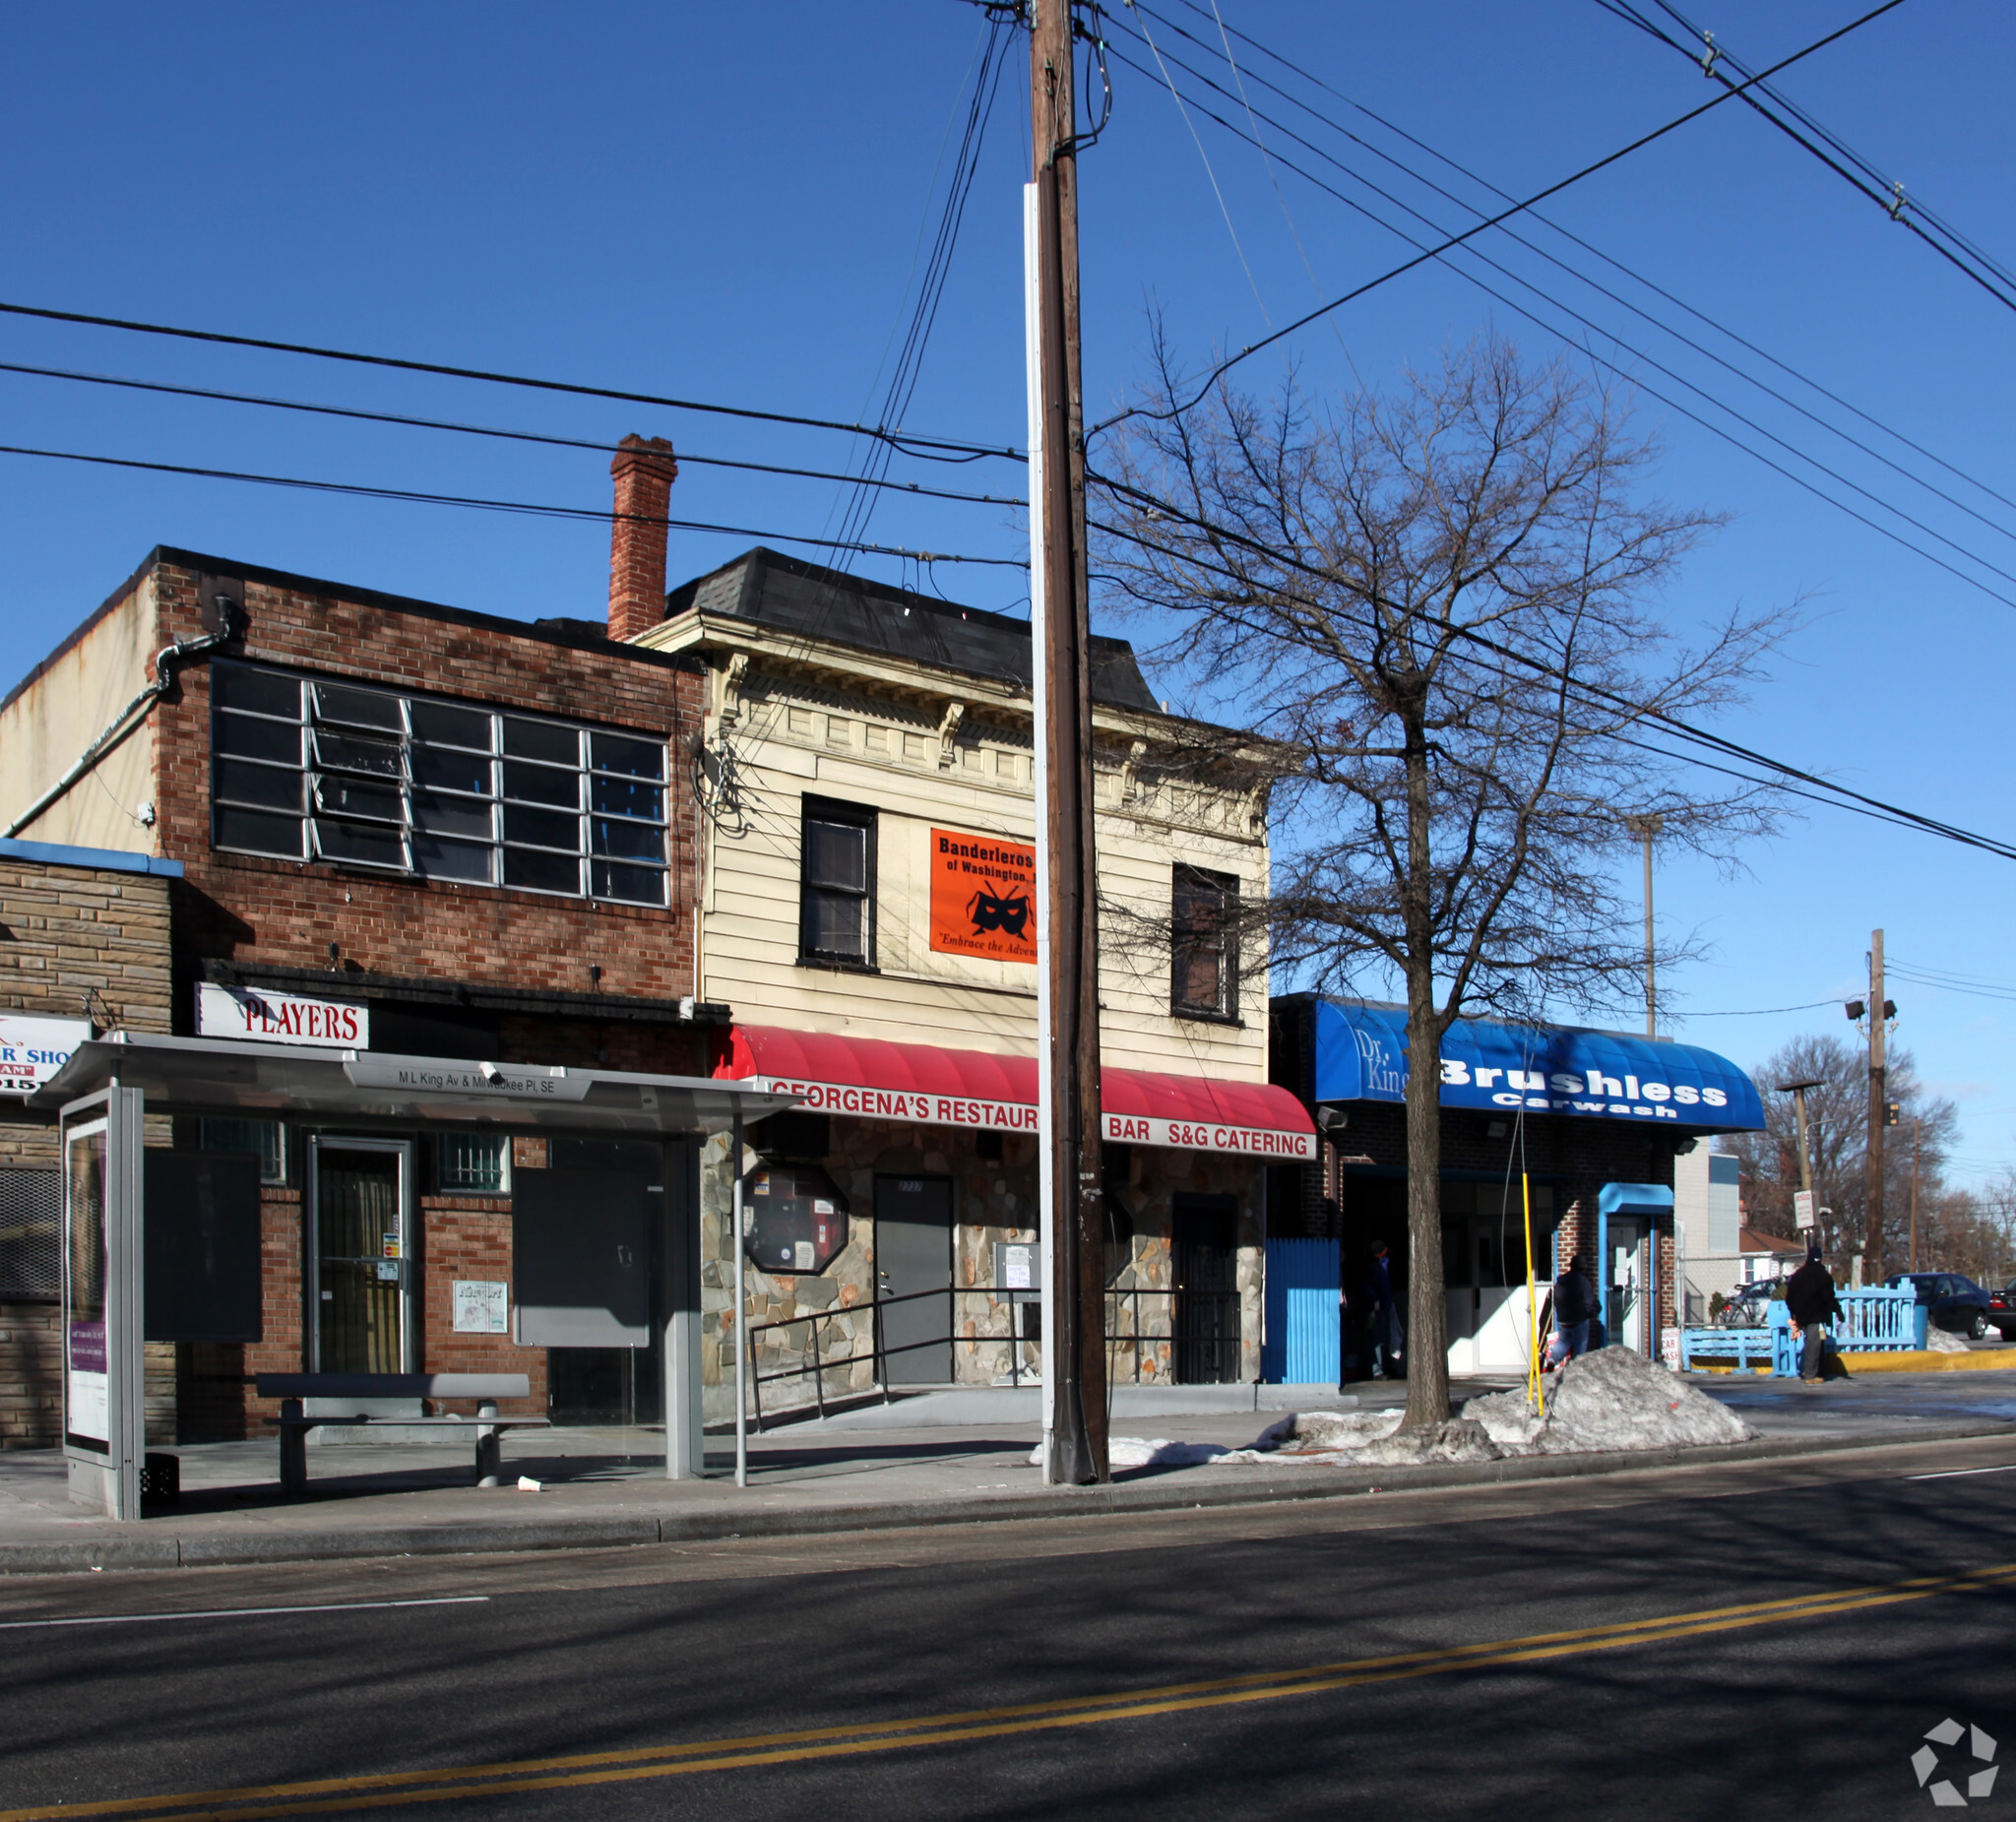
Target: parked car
2002,1310
1953,1302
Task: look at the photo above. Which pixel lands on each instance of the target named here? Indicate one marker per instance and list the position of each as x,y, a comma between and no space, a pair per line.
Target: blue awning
1634,1199
1362,1055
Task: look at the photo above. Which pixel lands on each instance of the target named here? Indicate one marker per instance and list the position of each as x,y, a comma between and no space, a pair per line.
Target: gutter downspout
123,722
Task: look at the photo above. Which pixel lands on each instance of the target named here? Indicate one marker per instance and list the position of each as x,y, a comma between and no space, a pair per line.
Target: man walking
1380,1341
1810,1298
1574,1304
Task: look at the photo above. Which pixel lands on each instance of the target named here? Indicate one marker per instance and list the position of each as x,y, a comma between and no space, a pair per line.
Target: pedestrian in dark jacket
1810,1299
1574,1305
1381,1318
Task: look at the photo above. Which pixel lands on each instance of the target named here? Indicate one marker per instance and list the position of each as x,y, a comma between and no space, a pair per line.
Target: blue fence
1870,1322
1301,1343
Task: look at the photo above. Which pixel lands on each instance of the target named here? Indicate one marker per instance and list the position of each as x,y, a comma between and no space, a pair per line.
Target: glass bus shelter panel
103,1410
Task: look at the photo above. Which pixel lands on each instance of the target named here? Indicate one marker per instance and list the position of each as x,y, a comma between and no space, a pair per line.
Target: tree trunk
1427,1309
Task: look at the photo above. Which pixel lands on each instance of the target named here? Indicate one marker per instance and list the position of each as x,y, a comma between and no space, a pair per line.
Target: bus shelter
168,1245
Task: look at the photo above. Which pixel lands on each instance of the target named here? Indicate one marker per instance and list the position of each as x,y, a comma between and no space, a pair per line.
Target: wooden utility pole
1873,1242
1075,1348
1916,1129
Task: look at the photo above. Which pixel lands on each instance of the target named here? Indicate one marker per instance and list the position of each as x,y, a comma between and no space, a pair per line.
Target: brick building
83,938
379,823
1586,1124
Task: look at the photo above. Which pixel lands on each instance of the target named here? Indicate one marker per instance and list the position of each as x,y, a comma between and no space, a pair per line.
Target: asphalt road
1716,1642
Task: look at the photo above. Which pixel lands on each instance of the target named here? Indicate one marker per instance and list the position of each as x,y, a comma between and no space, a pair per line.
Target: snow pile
1611,1398
1158,1452
1328,1432
1458,1440
1944,1341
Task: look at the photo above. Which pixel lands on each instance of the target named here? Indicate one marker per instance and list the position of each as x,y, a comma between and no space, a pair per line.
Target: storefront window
313,770
266,1138
472,1163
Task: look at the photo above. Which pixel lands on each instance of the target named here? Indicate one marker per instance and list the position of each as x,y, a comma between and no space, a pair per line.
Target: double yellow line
379,1791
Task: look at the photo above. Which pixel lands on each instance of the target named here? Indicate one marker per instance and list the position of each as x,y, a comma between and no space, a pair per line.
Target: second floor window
1204,944
310,770
837,884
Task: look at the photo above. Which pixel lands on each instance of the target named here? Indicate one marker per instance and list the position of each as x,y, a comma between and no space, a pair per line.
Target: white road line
237,1612
1953,1473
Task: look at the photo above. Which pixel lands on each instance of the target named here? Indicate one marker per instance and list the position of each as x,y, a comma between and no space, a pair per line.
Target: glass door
360,1241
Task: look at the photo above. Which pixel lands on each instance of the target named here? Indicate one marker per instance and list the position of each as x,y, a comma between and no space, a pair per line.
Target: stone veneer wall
64,929
993,1200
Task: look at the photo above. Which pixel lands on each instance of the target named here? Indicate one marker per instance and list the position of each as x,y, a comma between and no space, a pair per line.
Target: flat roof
269,1081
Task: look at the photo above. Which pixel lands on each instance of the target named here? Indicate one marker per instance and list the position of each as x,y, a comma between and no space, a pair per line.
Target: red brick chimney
644,473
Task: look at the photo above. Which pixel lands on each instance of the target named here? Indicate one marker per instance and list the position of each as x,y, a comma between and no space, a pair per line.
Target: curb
1164,1493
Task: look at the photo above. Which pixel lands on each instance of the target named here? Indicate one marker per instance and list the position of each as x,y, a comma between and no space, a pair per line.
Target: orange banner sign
982,897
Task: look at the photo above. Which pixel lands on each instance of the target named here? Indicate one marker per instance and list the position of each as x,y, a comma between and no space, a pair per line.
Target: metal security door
913,1260
1628,1284
362,1255
1206,1319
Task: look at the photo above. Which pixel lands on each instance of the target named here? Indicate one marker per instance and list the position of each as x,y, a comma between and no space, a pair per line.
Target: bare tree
1443,600
1838,1140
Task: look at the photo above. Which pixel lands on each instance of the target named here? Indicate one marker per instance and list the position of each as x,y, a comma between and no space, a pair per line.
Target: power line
1759,1012
1834,152
487,430
1714,429
1580,277
1591,692
1224,366
932,448
531,508
1589,247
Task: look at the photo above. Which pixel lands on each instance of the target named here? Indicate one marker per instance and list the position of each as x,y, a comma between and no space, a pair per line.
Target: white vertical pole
741,1312
1045,1100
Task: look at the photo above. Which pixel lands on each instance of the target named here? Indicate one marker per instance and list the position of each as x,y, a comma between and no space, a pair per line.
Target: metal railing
1215,1345
1870,1322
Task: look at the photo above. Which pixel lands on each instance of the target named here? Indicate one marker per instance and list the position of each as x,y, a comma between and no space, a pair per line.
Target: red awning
926,1085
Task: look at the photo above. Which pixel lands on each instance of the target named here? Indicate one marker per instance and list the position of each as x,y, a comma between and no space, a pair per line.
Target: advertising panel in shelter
982,897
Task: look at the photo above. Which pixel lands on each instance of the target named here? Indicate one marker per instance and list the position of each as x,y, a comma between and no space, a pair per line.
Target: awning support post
685,1438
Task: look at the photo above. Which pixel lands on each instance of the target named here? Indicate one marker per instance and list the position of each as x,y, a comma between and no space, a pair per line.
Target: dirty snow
1943,1341
1610,1399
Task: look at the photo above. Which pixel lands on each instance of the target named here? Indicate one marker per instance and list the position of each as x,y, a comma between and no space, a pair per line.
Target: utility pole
1879,1012
1074,1341
1807,1215
1915,1128
1645,828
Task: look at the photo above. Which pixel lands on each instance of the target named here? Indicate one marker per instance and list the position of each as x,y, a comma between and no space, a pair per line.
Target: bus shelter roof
234,1078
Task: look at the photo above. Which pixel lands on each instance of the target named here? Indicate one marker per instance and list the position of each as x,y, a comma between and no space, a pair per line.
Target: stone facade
995,1199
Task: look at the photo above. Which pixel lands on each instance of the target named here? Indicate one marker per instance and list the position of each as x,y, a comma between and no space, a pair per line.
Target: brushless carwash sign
1362,1055
268,1016
32,1050
982,897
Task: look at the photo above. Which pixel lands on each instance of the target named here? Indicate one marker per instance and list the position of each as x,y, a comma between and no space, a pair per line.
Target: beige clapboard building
868,911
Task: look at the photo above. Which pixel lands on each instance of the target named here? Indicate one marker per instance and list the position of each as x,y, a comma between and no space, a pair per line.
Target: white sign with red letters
268,1016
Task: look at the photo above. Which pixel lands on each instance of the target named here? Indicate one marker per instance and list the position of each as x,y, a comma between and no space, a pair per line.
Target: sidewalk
604,1487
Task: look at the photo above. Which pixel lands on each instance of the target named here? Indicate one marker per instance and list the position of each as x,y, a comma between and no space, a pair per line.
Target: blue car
1952,1302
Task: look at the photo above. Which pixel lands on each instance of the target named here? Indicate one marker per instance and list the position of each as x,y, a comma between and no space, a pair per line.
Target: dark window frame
836,812
375,789
1190,936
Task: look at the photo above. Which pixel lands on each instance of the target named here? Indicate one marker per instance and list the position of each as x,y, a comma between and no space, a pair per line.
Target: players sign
982,897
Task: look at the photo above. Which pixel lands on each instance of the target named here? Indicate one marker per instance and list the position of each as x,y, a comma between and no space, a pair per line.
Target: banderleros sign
982,897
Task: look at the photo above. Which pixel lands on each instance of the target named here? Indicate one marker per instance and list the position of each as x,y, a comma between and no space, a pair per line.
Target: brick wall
64,929
285,914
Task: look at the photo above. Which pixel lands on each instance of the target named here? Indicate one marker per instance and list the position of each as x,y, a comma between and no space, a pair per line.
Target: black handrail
879,1352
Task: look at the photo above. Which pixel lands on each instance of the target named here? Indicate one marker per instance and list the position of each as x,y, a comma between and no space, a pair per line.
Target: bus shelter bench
292,1389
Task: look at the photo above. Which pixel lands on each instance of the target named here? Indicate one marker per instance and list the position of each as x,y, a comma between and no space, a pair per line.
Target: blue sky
716,203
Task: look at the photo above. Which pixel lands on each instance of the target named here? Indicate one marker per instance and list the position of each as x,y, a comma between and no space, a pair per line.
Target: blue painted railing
1301,1342
1870,1322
